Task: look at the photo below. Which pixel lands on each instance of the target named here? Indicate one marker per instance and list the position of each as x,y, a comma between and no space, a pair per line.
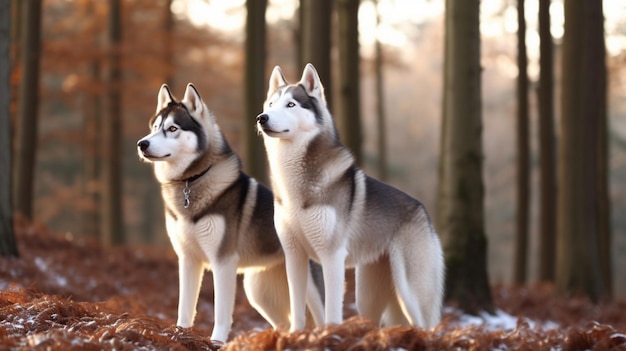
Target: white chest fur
201,239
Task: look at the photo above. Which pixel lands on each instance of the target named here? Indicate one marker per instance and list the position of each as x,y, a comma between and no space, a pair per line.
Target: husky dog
327,209
217,217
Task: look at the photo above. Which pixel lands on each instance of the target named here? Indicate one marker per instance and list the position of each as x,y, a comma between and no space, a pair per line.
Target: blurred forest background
181,41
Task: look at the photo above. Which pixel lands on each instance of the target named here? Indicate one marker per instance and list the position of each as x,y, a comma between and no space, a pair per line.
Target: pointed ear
192,99
164,98
311,82
277,80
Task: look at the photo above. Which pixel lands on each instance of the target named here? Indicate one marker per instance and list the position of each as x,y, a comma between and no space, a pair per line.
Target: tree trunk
111,220
92,154
523,157
380,106
255,86
583,255
315,43
547,182
463,230
168,43
8,246
28,107
349,113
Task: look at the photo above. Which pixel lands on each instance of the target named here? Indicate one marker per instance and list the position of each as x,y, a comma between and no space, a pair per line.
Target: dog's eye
172,129
290,104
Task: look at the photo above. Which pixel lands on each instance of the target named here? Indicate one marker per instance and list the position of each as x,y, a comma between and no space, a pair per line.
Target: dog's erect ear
312,83
277,80
192,99
164,98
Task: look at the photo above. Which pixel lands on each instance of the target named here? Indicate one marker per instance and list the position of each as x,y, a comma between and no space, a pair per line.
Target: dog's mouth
151,157
271,132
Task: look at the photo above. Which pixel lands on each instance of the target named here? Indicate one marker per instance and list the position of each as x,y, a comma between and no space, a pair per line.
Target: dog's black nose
262,118
143,145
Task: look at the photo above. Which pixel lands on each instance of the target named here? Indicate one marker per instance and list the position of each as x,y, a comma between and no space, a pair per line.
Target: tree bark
349,113
255,87
316,40
28,105
583,253
380,106
111,220
523,157
8,246
462,224
547,163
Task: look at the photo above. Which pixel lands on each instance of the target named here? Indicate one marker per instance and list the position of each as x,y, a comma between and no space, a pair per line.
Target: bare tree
111,220
255,87
315,29
380,104
583,232
547,182
8,246
28,105
349,112
461,222
523,151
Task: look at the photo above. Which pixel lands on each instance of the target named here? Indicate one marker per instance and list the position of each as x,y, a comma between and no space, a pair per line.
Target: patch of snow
61,281
499,321
41,264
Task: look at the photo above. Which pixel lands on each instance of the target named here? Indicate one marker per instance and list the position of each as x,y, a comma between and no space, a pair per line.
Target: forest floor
69,294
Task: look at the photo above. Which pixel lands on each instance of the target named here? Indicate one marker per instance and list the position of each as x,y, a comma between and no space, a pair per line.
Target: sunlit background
208,50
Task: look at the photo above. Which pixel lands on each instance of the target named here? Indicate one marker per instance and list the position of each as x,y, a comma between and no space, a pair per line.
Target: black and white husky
327,209
217,217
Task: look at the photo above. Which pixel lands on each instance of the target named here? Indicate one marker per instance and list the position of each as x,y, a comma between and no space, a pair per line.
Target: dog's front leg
190,272
333,265
297,262
330,246
224,286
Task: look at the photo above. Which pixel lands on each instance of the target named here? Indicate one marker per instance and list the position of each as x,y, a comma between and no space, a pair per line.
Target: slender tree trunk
315,48
93,156
349,113
8,247
28,107
523,157
583,253
168,28
112,222
547,203
442,198
255,87
463,229
380,106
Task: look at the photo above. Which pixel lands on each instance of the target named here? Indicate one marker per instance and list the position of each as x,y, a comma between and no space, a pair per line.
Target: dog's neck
195,177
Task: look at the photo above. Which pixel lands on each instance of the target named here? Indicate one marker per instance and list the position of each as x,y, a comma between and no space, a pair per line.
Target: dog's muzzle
262,119
143,145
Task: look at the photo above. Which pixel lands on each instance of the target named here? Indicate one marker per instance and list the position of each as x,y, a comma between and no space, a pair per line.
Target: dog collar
192,178
187,190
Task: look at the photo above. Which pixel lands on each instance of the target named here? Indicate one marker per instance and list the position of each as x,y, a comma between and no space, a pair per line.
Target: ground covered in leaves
69,294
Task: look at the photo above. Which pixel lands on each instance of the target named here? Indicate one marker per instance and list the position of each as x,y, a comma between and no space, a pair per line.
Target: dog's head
294,109
177,129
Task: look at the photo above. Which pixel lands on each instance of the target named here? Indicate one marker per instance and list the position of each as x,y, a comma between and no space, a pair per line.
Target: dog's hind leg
268,293
418,273
406,277
394,315
374,288
190,271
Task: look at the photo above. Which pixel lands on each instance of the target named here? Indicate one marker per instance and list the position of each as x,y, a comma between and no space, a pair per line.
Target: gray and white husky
217,217
327,209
